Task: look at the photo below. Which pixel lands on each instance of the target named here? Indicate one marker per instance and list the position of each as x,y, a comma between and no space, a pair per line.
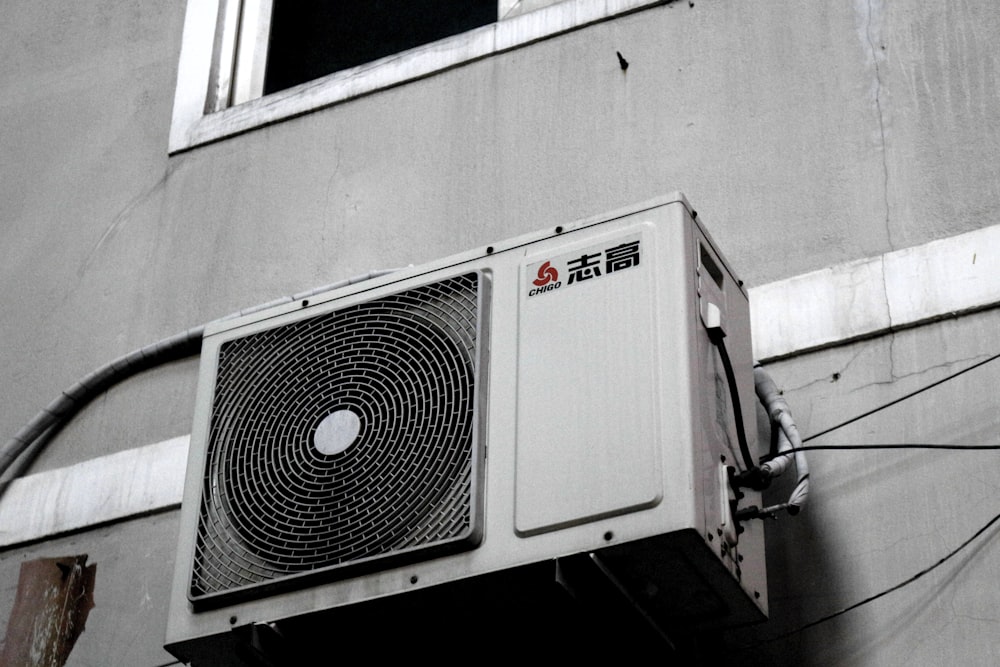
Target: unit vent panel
343,441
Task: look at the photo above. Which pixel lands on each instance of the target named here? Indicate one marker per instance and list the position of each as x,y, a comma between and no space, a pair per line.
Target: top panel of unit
475,258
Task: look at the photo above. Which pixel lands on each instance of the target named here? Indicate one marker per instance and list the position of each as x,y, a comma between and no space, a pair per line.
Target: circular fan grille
281,498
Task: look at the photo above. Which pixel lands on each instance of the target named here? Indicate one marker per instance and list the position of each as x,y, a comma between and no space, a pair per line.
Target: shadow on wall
802,576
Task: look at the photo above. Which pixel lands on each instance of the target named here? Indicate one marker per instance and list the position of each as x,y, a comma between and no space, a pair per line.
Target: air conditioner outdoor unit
545,413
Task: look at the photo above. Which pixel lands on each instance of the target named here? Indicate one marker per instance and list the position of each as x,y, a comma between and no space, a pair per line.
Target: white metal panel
588,431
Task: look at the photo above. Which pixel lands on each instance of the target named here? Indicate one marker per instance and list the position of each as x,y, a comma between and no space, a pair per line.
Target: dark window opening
313,38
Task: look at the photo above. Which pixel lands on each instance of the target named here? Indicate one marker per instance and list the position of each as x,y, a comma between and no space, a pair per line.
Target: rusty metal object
54,597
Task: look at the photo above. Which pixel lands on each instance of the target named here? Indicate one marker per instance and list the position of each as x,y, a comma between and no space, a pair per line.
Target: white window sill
191,126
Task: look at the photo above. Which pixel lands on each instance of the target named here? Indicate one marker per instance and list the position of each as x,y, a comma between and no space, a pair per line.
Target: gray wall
806,135
876,518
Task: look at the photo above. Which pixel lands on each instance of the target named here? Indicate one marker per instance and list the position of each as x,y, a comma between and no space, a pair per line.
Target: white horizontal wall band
807,312
102,490
872,296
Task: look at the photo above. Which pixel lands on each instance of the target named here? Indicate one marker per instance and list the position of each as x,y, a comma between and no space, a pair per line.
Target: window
312,38
248,63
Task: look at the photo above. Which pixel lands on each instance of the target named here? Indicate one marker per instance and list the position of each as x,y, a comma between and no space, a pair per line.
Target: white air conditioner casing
591,420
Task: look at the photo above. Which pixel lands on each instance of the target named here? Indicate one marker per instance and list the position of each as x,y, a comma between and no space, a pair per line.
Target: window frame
220,75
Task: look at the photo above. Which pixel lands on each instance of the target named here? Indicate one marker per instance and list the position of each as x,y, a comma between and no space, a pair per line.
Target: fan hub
338,431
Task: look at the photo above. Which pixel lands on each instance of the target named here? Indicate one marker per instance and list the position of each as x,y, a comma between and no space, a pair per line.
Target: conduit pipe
186,344
789,441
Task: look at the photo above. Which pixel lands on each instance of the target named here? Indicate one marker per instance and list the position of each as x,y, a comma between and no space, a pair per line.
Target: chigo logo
593,263
547,280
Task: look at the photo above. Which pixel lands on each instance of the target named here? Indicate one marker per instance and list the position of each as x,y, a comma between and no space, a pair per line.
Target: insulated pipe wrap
184,344
788,438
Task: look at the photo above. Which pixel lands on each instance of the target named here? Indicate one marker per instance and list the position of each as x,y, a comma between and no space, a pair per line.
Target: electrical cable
775,440
913,578
789,451
902,398
912,445
887,591
801,489
716,336
782,449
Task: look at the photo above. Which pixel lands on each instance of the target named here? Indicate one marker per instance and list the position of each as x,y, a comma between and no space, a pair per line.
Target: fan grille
278,508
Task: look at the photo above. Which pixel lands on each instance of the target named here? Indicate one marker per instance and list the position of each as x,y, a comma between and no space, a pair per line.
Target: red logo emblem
546,274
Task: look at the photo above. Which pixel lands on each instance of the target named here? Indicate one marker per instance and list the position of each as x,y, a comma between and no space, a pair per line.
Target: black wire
902,398
913,445
774,449
716,335
927,570
901,584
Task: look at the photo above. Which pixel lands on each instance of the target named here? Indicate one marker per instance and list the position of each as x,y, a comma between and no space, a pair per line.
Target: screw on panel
711,537
489,250
756,595
608,536
305,302
232,620
559,230
414,579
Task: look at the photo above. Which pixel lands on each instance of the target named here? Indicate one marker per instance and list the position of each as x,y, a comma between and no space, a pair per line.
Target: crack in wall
827,379
886,221
880,116
874,53
891,328
947,365
120,219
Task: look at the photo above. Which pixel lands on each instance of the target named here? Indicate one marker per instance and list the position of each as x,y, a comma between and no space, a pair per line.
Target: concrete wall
805,135
877,518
